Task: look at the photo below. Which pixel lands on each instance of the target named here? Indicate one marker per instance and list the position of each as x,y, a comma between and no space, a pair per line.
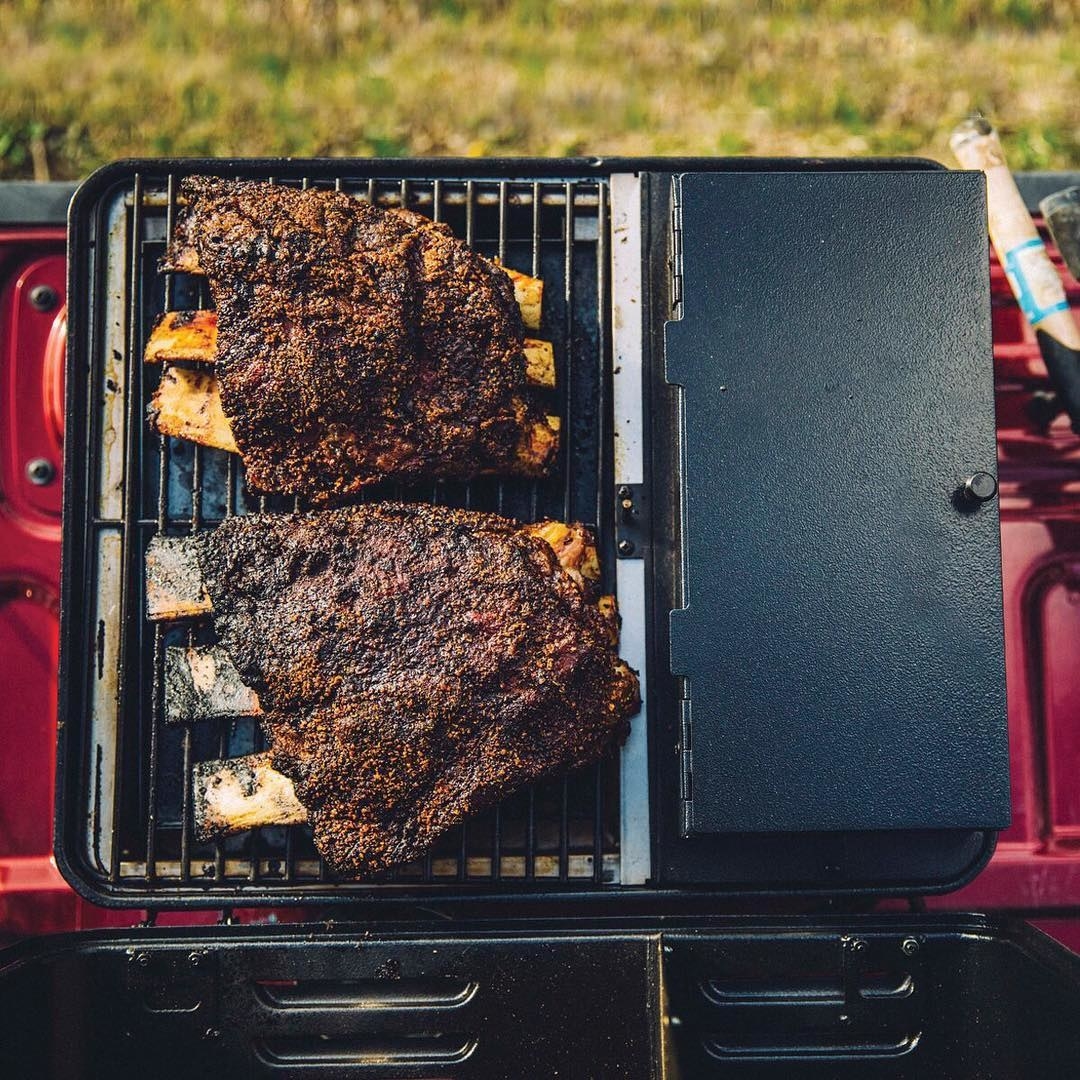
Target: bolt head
40,471
909,947
626,547
43,297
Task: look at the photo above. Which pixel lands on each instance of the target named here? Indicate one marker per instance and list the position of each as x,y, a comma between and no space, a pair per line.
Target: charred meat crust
355,344
414,663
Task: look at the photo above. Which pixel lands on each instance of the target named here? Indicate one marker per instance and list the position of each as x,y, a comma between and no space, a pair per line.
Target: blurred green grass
83,83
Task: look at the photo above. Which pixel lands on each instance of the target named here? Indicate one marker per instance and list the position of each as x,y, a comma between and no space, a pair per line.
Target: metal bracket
172,989
631,521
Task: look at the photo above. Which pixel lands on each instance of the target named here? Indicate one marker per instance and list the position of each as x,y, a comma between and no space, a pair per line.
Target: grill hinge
686,772
675,261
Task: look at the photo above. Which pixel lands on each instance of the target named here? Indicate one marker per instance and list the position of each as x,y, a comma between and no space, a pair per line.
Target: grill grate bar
496,824
185,807
564,831
568,270
558,832
604,485
536,210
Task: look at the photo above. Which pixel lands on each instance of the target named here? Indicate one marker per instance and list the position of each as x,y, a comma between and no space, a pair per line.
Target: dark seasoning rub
356,344
415,664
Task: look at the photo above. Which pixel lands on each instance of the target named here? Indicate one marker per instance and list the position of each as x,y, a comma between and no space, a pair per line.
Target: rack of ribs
349,344
409,664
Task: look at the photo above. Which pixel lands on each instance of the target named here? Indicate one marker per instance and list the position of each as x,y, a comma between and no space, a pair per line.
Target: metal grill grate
136,792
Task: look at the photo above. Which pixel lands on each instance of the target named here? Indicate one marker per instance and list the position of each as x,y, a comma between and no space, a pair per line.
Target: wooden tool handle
1031,274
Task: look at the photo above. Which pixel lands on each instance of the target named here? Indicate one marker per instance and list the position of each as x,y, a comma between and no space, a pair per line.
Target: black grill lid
841,639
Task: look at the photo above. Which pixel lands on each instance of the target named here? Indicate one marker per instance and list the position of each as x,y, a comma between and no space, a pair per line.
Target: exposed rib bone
535,445
529,293
183,335
187,405
539,363
175,590
528,290
174,585
191,336
242,793
609,608
573,548
202,683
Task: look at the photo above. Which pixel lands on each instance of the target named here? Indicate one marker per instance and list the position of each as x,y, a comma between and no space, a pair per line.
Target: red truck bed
1036,869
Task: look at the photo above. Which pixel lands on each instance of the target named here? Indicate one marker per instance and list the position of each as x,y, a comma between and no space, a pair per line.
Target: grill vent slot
442,993
368,1050
799,1047
749,991
791,998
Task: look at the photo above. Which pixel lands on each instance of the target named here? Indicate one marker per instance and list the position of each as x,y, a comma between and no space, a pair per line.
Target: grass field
81,83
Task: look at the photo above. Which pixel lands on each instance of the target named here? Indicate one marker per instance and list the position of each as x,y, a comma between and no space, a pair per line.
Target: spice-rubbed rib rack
745,354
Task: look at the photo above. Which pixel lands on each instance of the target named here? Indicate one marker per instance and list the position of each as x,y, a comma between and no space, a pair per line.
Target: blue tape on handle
1024,287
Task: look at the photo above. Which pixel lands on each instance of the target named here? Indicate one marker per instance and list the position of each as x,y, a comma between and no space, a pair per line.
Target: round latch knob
980,487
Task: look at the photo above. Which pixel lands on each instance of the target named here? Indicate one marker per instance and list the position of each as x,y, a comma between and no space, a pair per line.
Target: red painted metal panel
31,374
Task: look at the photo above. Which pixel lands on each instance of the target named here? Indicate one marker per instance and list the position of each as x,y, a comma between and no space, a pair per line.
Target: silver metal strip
104,704
113,396
628,387
111,368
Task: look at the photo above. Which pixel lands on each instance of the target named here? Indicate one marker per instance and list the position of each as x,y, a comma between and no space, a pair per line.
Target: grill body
123,831
851,998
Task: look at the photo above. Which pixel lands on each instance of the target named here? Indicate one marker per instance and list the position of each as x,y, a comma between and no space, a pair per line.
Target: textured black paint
843,633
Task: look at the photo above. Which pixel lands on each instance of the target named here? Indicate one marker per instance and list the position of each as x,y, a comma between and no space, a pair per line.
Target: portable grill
775,390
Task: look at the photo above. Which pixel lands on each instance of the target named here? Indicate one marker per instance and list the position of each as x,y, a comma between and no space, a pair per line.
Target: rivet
909,947
43,297
40,471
